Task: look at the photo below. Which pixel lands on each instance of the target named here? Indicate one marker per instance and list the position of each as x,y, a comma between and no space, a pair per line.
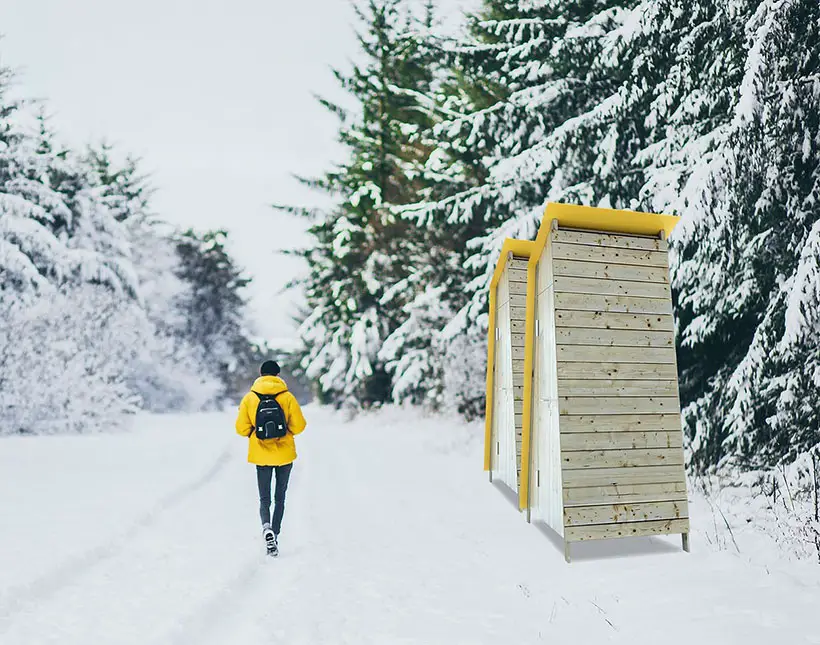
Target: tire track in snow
234,613
275,600
47,586
205,622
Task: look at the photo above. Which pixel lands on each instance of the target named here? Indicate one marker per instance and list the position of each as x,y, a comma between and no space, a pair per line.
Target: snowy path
392,535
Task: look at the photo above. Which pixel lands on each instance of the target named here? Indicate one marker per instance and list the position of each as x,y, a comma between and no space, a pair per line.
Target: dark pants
263,480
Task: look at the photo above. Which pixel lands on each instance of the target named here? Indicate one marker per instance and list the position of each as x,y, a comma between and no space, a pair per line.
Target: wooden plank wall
621,449
517,283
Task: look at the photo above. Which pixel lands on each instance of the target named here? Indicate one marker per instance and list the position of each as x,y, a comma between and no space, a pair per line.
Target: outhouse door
504,453
546,492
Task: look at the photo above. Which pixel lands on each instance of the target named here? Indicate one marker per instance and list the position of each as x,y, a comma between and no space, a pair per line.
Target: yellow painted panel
609,219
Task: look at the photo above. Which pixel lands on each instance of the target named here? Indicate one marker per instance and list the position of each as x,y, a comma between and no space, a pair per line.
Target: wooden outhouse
505,365
602,440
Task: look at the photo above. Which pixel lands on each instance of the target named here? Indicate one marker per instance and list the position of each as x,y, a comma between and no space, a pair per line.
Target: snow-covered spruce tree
75,344
702,109
66,287
169,372
795,426
90,305
213,307
53,229
419,352
527,120
362,250
749,195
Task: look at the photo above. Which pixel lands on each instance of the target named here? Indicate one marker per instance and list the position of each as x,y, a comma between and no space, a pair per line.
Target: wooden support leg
566,552
685,541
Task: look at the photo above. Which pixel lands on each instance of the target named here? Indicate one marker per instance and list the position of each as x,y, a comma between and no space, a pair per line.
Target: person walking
270,417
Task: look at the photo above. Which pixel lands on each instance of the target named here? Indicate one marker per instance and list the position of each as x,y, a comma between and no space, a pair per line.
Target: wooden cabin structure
503,443
602,452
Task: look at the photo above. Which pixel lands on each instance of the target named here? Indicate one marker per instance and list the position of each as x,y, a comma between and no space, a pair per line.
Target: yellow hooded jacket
270,452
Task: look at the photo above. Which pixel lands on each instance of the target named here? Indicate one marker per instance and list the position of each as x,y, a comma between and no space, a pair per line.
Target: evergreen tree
697,108
418,353
67,285
747,253
125,188
530,83
214,306
90,287
362,249
53,229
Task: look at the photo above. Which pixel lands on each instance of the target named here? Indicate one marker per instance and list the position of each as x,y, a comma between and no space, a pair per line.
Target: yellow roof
522,248
608,220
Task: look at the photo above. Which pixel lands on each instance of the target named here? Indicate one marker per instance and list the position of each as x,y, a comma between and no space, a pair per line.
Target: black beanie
269,368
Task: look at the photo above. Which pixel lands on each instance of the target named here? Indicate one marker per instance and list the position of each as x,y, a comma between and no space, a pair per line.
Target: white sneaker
271,543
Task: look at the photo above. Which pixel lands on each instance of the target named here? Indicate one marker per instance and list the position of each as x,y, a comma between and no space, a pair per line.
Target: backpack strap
261,396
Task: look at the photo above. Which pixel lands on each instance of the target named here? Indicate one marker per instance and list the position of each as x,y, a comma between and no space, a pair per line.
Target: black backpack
270,417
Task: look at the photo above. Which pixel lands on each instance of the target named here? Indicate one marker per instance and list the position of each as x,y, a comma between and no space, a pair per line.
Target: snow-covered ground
392,535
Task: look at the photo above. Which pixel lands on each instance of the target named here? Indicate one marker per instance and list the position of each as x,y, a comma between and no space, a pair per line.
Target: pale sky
216,98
